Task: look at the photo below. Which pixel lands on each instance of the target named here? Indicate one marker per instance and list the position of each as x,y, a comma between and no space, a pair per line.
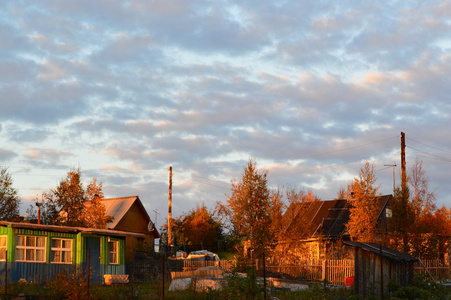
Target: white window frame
61,251
3,248
34,249
112,253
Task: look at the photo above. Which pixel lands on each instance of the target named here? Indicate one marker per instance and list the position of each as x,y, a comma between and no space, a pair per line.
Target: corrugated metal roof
69,229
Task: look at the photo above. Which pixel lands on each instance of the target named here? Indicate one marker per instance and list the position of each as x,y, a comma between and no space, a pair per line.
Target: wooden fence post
323,270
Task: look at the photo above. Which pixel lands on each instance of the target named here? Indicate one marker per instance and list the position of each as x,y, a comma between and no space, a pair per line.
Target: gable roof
327,218
118,207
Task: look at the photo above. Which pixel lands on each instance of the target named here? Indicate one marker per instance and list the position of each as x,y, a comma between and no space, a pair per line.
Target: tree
70,204
422,199
94,213
198,229
362,224
249,207
402,220
69,196
417,226
9,200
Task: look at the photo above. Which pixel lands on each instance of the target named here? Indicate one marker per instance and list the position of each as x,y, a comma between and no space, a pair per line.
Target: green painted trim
11,246
80,257
78,244
121,251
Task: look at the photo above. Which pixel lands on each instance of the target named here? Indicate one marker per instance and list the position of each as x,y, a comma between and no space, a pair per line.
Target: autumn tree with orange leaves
249,209
70,204
362,224
418,227
197,230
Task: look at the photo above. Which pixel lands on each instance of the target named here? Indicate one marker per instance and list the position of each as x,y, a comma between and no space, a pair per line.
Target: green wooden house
38,253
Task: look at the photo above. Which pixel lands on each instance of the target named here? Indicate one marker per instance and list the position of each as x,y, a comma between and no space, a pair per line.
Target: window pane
67,256
67,244
2,254
56,256
20,240
3,241
40,255
56,243
20,254
30,254
31,241
41,241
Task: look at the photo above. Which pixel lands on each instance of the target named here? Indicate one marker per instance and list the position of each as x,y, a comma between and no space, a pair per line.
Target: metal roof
70,229
118,207
328,217
387,253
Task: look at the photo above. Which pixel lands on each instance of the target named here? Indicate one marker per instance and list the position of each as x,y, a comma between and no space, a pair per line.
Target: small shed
376,265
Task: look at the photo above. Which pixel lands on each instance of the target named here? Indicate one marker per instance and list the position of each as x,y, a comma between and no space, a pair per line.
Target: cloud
310,89
43,156
6,155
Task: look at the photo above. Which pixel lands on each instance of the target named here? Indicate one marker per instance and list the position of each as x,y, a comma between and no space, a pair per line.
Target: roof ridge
114,198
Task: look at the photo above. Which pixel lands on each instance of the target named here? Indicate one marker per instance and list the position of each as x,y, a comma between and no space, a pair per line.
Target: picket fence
438,268
334,271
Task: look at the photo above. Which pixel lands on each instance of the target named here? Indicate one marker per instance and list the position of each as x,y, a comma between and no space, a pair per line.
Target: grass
66,286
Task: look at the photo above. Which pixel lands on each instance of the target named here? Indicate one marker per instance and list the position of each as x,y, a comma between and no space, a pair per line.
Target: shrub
68,286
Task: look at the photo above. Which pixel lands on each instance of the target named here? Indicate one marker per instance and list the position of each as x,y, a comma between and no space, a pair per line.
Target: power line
429,146
329,166
431,156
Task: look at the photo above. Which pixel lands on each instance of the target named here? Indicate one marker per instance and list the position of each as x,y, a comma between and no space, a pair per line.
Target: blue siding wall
32,272
40,273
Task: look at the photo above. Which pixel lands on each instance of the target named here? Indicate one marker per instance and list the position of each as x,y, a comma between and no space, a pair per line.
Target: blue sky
310,89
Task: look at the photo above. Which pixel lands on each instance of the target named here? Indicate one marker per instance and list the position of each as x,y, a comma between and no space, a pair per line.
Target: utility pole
394,185
403,162
170,210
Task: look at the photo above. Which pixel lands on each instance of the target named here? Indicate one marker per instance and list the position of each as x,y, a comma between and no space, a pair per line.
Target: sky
311,90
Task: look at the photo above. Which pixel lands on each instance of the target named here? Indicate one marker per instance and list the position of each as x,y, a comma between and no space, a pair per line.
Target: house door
93,258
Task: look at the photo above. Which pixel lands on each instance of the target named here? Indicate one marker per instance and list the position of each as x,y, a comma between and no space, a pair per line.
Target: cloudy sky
310,89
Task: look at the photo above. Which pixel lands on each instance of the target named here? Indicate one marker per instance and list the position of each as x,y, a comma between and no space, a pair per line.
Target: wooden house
319,227
37,253
130,215
376,265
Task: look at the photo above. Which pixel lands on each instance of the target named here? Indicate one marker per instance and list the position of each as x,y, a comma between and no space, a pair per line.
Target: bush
68,286
421,289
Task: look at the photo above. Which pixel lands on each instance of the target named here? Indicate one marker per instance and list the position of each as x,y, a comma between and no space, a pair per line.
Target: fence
334,271
189,265
438,268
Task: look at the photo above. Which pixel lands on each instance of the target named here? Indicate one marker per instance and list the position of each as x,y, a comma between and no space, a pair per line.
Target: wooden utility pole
403,162
170,210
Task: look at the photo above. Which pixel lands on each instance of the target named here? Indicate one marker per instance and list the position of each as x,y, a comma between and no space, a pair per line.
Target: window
30,248
61,251
113,252
3,247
